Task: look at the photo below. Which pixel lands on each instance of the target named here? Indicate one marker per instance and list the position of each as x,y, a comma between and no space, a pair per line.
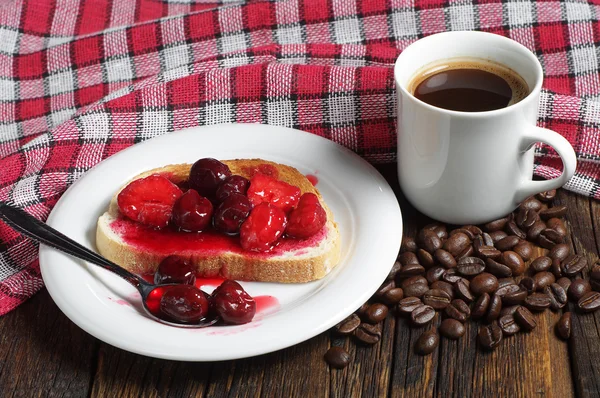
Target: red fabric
82,79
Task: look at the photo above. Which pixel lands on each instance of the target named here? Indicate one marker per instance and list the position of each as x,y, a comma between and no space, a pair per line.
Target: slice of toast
140,249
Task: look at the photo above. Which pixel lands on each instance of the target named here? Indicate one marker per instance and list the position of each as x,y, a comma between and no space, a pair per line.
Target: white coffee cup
471,167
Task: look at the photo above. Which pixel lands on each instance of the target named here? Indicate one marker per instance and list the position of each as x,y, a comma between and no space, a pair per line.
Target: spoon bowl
150,293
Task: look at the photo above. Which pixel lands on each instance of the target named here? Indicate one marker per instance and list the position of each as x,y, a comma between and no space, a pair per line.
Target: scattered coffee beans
490,274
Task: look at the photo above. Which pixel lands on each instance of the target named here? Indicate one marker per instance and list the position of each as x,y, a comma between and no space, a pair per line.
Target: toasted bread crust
283,269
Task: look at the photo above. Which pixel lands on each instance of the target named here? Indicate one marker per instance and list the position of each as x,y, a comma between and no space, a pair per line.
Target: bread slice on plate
140,249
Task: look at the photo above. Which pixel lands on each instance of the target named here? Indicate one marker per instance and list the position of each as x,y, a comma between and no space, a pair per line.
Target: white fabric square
584,59
8,40
175,56
461,17
592,113
519,13
341,109
61,82
8,132
233,42
95,125
154,123
24,191
219,113
60,116
119,70
578,12
280,113
7,90
347,31
404,24
289,35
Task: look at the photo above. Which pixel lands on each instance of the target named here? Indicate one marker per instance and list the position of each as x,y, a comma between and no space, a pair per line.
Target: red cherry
262,228
233,304
230,214
231,185
192,212
175,269
206,175
184,304
149,200
307,218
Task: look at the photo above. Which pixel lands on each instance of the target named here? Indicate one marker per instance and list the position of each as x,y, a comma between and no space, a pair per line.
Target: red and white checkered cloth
83,79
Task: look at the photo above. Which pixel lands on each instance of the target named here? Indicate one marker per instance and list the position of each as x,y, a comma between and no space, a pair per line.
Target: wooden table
42,353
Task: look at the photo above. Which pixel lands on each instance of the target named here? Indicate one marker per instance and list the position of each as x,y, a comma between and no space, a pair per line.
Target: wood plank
43,353
584,346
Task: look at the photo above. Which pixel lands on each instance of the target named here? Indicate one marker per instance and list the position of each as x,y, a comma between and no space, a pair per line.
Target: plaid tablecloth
83,79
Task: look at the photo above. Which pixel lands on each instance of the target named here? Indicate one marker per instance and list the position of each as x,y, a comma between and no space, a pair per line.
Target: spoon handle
43,233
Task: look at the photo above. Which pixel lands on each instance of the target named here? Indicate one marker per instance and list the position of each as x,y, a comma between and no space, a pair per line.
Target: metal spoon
41,232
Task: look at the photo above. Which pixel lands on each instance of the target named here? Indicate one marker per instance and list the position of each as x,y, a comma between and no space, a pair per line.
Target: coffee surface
469,86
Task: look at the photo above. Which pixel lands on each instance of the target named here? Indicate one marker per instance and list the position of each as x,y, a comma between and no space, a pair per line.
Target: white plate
107,307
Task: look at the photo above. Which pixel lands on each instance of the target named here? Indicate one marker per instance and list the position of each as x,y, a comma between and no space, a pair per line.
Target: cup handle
535,134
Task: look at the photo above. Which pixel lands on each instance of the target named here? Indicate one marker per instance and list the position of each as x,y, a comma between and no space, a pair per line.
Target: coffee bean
361,310
508,325
494,308
558,225
496,225
463,230
497,236
427,343
470,266
507,243
513,229
590,302
573,264
435,274
395,268
531,203
429,240
410,270
458,310
513,298
367,333
525,318
393,296
579,287
422,314
537,302
474,229
556,269
486,252
524,249
484,283
462,290
408,304
510,310
408,258
376,313
418,280
546,196
549,237
468,252
513,261
425,258
337,357
489,336
541,264
444,286
528,284
543,279
415,290
452,329
408,245
348,325
387,285
496,268
556,211
437,299
595,271
505,281
564,282
487,239
438,228
563,326
526,217
535,230
558,296
451,276
481,306
508,289
445,259
457,243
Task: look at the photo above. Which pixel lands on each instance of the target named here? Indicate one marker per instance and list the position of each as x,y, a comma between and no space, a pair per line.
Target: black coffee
469,86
